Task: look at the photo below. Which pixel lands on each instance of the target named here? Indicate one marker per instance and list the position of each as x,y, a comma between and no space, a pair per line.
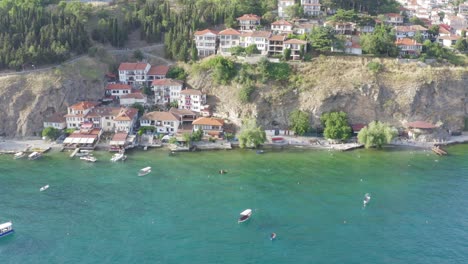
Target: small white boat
367,198
272,236
144,171
88,158
19,155
34,155
43,188
6,228
245,215
118,156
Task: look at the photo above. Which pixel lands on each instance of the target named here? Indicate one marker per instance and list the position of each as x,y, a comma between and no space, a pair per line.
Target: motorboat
34,155
144,171
81,154
260,151
43,188
272,236
367,198
118,157
19,155
6,228
88,158
245,215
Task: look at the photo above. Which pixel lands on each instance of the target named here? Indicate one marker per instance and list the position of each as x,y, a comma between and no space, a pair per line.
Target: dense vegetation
336,125
299,121
376,134
31,34
371,6
251,136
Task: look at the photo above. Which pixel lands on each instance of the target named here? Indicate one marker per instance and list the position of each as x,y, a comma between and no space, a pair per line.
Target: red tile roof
158,70
229,31
249,17
407,42
295,41
169,82
281,23
191,92
132,66
277,38
420,124
83,105
160,116
120,136
133,95
209,121
206,31
126,114
118,86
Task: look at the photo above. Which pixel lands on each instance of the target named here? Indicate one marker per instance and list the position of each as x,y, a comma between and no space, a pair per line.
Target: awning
89,140
117,143
68,140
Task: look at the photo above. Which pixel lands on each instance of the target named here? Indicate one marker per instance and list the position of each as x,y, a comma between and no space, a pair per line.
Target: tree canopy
322,38
376,134
336,125
380,42
51,133
371,6
251,136
299,121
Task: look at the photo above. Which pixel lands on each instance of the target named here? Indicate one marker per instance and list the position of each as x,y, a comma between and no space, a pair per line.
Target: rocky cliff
27,99
398,93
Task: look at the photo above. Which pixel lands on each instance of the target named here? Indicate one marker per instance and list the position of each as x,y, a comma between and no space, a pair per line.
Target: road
113,51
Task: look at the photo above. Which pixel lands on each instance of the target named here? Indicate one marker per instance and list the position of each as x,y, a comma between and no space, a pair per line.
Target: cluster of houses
90,119
452,21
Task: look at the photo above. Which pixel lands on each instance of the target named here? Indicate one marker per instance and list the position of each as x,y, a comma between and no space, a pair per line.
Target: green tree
51,133
252,49
461,45
380,42
342,15
294,11
418,37
197,135
174,104
251,136
194,52
376,134
141,109
237,50
299,121
176,72
245,93
336,125
138,55
417,21
286,54
322,38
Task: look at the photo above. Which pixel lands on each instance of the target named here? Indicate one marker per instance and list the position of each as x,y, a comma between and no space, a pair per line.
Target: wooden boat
19,155
272,236
245,215
6,228
144,171
367,198
43,188
34,155
88,158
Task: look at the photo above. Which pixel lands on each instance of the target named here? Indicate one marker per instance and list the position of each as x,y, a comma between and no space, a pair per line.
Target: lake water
185,212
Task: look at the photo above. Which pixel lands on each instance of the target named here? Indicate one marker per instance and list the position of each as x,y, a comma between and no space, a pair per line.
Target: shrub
299,122
252,49
374,67
197,135
251,135
245,93
336,125
376,134
177,73
51,133
223,69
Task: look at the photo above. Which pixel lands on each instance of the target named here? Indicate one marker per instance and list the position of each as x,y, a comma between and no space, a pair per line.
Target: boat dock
74,152
439,151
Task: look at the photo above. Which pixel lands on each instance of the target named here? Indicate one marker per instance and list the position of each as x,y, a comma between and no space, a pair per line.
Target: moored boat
43,188
19,155
34,155
88,158
144,171
367,198
6,228
118,157
245,215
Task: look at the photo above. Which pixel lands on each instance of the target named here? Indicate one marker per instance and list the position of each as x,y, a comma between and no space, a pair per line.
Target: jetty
439,151
74,152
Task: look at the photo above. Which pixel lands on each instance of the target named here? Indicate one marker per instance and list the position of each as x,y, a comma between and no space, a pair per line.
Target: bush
299,122
197,135
374,67
276,71
51,133
252,49
251,135
69,131
336,125
144,129
238,50
376,134
223,69
245,93
177,73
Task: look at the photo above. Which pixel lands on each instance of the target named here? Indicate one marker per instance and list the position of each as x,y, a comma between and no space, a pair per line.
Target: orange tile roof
209,121
249,17
182,112
450,37
393,15
281,22
83,105
261,34
295,41
132,66
118,86
229,31
160,116
126,114
420,124
170,82
158,70
206,31
407,42
120,136
191,92
277,38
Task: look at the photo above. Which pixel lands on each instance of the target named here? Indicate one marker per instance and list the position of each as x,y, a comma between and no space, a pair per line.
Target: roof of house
132,66
393,15
205,31
103,111
191,92
181,112
277,38
56,118
420,124
410,28
158,70
249,17
169,82
119,136
134,96
281,23
295,41
229,31
160,116
450,37
260,34
126,114
83,105
118,86
407,42
209,121
442,30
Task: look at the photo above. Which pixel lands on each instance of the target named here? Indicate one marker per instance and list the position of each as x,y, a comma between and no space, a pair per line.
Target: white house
276,45
296,46
116,90
56,121
282,6
112,119
134,73
448,41
281,27
311,7
164,122
258,38
410,31
157,72
393,19
166,90
133,98
192,99
408,46
249,22
209,125
77,112
205,41
228,39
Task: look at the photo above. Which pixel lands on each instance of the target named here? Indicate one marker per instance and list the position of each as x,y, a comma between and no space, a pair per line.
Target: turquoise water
185,212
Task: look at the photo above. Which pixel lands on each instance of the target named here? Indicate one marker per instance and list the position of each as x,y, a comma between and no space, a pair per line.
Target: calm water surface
185,212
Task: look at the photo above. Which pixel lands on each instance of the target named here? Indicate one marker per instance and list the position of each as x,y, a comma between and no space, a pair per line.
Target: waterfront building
296,46
410,31
408,46
205,41
56,121
112,119
276,45
166,90
210,126
77,112
163,122
448,41
192,99
248,22
258,38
